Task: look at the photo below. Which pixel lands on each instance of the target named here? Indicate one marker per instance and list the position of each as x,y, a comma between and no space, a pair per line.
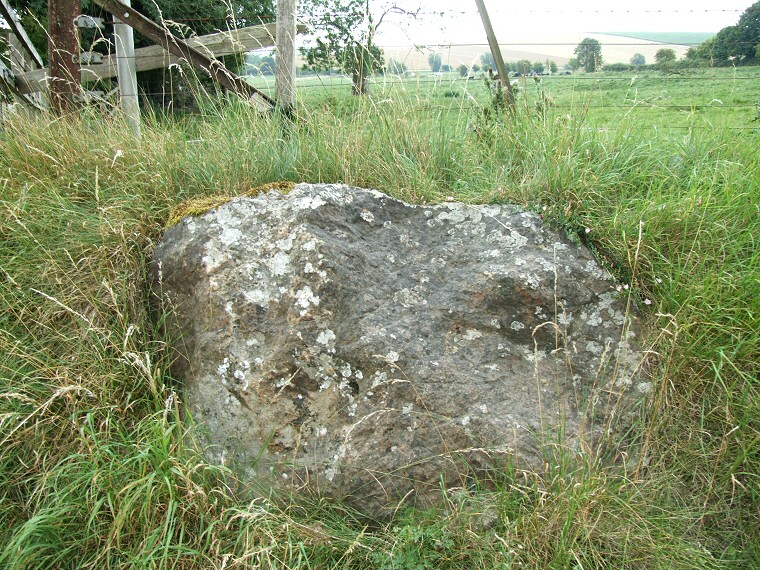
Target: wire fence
726,95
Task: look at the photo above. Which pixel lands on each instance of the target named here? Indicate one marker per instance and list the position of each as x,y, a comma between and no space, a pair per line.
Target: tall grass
96,465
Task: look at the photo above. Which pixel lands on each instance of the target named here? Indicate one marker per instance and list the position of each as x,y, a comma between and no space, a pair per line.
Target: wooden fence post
64,53
496,52
285,74
127,72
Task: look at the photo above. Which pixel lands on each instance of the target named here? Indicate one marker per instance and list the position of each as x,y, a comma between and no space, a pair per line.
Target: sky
541,19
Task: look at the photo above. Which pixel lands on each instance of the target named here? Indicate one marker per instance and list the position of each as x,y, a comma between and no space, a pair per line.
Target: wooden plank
155,57
21,62
7,84
9,15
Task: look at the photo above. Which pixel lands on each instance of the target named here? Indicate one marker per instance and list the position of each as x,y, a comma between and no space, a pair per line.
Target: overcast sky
460,22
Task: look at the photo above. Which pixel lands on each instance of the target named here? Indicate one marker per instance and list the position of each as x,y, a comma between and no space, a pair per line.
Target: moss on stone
202,204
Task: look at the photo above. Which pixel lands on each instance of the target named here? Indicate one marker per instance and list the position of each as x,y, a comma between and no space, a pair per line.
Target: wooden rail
155,57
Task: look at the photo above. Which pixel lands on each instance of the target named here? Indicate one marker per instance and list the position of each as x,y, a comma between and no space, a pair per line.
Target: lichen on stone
202,204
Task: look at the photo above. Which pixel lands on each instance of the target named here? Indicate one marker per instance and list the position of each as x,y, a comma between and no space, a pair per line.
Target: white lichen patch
223,367
546,265
594,347
410,297
592,268
326,337
212,258
513,240
407,409
367,216
280,264
308,202
535,356
305,298
392,357
594,319
516,326
472,334
380,378
285,244
257,297
532,279
230,236
465,421
454,216
565,318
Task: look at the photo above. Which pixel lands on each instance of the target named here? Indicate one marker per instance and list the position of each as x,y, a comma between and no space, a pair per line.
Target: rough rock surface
338,340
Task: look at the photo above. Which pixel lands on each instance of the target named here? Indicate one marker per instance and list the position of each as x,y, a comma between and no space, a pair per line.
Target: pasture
682,99
659,174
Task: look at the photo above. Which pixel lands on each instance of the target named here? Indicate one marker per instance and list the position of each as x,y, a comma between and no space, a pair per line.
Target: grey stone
339,341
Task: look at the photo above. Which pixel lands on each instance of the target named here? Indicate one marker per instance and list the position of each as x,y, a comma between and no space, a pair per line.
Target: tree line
733,45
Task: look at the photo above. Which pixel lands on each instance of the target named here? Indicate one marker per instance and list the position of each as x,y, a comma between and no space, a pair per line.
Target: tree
664,56
488,61
463,70
733,44
589,54
749,33
538,67
638,59
435,61
573,64
726,48
522,66
345,36
396,67
551,65
260,65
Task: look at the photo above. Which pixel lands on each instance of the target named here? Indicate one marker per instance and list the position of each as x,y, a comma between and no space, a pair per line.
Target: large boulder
340,341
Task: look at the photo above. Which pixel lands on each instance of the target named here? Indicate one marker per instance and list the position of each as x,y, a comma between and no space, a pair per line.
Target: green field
660,174
689,99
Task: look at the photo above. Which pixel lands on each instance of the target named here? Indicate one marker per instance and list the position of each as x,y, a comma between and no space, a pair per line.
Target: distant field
693,98
676,38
